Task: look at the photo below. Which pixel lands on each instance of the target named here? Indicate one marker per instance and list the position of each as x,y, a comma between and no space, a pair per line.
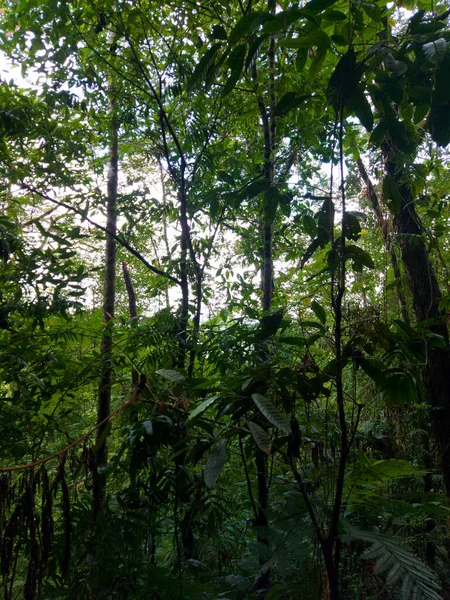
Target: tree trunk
133,313
109,292
427,295
386,231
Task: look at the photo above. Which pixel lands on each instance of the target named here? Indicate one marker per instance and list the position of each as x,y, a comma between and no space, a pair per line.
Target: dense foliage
224,287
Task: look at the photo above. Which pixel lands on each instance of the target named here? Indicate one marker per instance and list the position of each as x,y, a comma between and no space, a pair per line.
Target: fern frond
397,563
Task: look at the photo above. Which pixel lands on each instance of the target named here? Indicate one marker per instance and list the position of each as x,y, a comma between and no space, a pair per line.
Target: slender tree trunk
109,292
268,119
386,231
133,313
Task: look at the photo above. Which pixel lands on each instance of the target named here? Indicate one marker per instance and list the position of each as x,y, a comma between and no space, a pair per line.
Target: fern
400,567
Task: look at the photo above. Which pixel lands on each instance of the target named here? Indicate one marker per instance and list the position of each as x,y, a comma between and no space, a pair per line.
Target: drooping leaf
318,60
300,59
360,258
440,104
218,32
319,311
397,67
171,375
309,225
344,80
247,25
325,222
317,6
215,463
271,323
392,195
334,15
254,51
271,413
316,38
435,51
289,101
359,104
206,61
148,427
261,437
352,228
372,10
236,63
201,408
395,560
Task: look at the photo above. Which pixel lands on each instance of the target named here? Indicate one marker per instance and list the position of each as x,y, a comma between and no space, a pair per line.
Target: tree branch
118,238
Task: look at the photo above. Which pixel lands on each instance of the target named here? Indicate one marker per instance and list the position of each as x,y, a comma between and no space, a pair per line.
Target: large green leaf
440,104
289,101
171,375
316,38
261,437
359,105
202,407
344,80
360,258
395,560
215,463
435,51
318,5
392,195
271,413
236,63
206,61
319,311
247,25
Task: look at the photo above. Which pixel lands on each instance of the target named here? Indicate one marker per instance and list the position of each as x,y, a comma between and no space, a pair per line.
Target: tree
250,452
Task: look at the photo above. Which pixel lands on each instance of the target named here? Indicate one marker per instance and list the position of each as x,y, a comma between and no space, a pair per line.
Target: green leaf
148,427
325,222
254,50
372,10
359,104
219,33
246,26
319,311
392,195
201,408
205,63
236,63
360,258
435,51
261,437
171,375
271,413
316,6
352,228
316,38
344,80
440,105
215,463
374,368
309,225
397,562
300,59
317,61
289,101
293,341
334,15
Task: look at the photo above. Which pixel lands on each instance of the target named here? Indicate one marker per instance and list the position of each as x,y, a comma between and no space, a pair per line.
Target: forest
224,300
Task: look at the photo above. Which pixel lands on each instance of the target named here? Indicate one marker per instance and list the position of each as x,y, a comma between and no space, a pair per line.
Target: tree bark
426,293
133,313
386,231
109,293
